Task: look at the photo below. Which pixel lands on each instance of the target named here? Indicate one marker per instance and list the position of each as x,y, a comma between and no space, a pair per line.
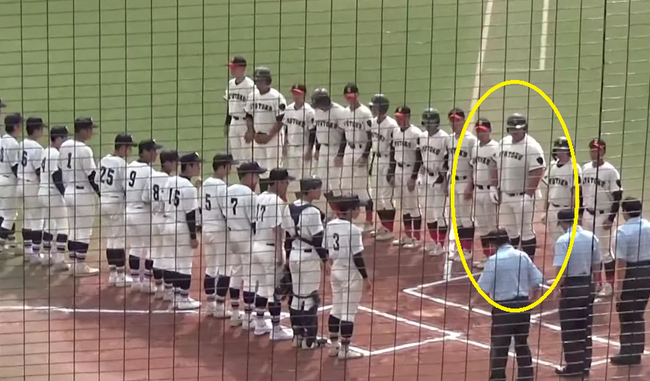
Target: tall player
434,146
602,197
81,187
521,166
9,161
358,135
112,180
406,162
236,96
264,116
300,135
51,197
29,175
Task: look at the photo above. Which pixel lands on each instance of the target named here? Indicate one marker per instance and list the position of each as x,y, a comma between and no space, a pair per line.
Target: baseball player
81,186
434,146
305,233
180,234
329,118
406,161
300,135
29,174
155,196
602,197
218,257
51,196
520,168
486,194
268,255
348,276
236,96
9,162
112,183
138,215
382,130
264,117
241,214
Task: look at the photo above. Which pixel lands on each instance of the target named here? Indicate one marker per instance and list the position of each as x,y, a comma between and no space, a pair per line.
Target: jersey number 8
156,192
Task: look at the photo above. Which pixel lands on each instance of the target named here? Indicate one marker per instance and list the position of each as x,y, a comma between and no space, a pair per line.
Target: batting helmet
348,202
430,117
561,144
263,73
310,183
320,98
381,101
517,122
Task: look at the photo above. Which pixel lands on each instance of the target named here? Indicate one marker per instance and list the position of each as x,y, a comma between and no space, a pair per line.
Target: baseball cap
35,122
483,125
402,111
58,132
565,215
350,91
82,123
456,113
237,61
124,140
190,158
597,143
250,167
168,156
298,88
148,145
348,202
280,174
13,120
221,159
310,183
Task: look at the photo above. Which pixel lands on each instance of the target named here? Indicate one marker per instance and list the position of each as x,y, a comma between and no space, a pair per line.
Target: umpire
633,268
509,278
577,293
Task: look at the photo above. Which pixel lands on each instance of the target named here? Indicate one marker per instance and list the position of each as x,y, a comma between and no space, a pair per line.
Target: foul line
485,33
544,36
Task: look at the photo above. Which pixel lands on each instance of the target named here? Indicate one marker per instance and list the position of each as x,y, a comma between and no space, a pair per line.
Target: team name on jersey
594,180
357,125
378,136
512,155
262,107
452,152
297,122
324,123
236,97
484,160
433,150
402,143
558,181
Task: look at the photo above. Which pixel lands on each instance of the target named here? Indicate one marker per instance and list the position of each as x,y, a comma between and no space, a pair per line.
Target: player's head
320,99
561,149
298,91
123,145
148,150
263,78
58,134
351,94
379,104
237,66
249,174
565,218
632,208
349,205
84,127
14,124
169,161
190,164
279,179
222,164
497,238
431,120
483,129
403,116
456,117
311,188
597,149
34,126
517,126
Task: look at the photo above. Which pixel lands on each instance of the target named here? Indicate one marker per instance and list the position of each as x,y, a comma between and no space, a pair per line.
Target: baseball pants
553,231
296,166
33,213
594,222
268,155
81,204
8,201
408,199
56,212
219,259
327,171
354,179
159,253
463,206
347,289
240,244
177,246
138,233
113,228
485,211
516,215
383,191
237,145
305,267
264,273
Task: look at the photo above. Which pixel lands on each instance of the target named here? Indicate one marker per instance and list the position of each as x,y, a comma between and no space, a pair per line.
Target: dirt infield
414,326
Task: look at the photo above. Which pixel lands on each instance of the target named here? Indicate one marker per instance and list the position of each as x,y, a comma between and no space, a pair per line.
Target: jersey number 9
132,177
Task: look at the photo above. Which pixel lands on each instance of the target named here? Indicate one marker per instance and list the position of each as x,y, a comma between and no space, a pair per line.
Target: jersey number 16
174,197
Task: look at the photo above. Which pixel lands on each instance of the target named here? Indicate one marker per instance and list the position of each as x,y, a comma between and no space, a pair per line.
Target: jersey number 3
336,246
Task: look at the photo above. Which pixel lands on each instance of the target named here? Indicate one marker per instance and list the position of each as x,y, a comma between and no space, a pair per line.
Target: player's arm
368,147
418,160
341,151
536,166
248,108
38,158
617,193
56,174
392,163
90,169
190,207
13,155
146,191
356,247
311,141
317,233
279,116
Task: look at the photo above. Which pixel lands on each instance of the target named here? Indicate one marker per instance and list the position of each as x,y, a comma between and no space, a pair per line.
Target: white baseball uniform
560,194
156,195
464,173
9,157
181,200
382,136
264,272
599,183
266,109
515,161
237,95
241,214
329,133
50,197
29,183
343,242
357,127
112,183
405,143
138,214
218,257
299,122
485,210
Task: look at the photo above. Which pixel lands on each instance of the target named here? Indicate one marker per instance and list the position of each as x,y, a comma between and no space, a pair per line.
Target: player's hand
494,195
338,161
367,286
194,243
262,138
410,185
391,180
362,162
248,136
307,156
607,224
544,218
469,191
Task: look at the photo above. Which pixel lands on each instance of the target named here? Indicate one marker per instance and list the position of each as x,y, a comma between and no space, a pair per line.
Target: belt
461,178
593,211
136,207
402,165
560,206
516,194
357,146
483,186
270,244
235,117
379,155
6,176
440,177
324,144
116,197
79,187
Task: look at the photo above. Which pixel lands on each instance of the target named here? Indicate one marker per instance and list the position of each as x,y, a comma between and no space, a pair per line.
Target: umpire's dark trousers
631,307
576,318
507,326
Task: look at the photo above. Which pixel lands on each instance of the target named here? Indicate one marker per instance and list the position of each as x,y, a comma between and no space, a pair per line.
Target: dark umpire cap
222,159
280,174
13,120
310,183
350,91
84,123
597,143
34,122
124,140
565,215
237,61
168,156
148,145
250,167
58,132
403,111
348,202
190,158
298,88
456,114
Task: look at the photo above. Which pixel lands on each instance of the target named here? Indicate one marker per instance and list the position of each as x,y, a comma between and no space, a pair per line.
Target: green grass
157,67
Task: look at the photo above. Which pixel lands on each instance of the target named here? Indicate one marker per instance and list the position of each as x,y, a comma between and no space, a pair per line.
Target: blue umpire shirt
509,274
633,240
585,253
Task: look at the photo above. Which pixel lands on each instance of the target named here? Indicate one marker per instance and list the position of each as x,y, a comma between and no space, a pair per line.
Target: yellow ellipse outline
576,193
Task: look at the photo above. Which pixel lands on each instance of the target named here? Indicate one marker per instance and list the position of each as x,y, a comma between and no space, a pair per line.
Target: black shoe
625,360
566,372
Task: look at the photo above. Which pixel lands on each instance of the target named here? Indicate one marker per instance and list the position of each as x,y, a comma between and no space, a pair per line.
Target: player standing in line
382,135
520,169
180,234
329,118
406,162
305,234
9,161
217,253
433,144
348,276
112,182
300,135
241,214
81,185
602,197
358,134
138,215
268,255
51,196
264,116
236,96
29,175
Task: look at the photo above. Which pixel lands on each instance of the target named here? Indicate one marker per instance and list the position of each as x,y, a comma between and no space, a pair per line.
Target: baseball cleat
318,343
384,236
61,266
468,257
262,327
347,354
122,280
367,227
297,341
247,323
168,295
146,287
160,292
47,261
81,269
399,242
334,350
186,303
410,243
112,277
280,334
235,319
34,259
606,290
220,312
480,264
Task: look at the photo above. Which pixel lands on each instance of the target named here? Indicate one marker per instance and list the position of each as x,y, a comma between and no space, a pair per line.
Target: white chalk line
485,33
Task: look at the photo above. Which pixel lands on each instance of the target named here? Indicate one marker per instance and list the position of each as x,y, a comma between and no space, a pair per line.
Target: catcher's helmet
561,144
263,73
430,117
381,101
320,98
348,202
517,122
310,183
